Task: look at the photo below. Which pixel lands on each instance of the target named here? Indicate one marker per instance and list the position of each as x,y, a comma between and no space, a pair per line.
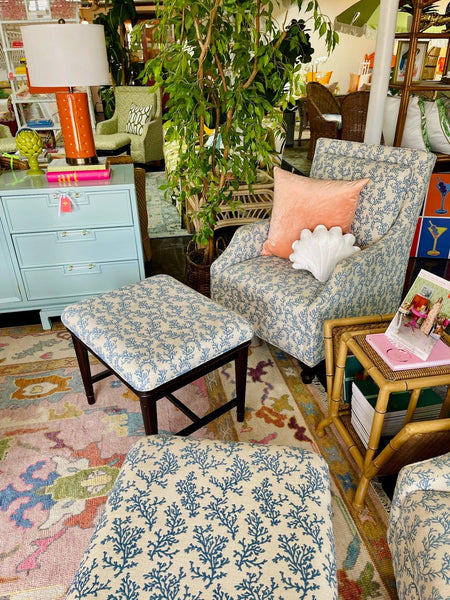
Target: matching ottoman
197,519
157,336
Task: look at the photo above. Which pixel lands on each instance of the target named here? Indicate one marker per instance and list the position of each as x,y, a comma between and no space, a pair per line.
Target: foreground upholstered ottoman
192,519
157,336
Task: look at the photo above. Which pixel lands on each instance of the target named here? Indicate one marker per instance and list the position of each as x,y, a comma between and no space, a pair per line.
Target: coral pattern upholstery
419,530
201,519
148,146
153,331
288,307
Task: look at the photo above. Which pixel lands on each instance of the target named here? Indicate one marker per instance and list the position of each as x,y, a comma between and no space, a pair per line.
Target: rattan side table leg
333,408
361,491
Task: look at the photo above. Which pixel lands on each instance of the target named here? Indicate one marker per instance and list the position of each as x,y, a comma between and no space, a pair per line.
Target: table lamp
69,55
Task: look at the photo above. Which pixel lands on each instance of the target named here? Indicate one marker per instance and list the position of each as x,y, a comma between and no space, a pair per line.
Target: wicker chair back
354,115
320,101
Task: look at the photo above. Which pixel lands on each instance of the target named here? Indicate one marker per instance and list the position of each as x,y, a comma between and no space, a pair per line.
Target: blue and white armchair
419,530
288,307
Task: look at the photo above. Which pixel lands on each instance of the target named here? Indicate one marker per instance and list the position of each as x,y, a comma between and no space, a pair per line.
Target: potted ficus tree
223,65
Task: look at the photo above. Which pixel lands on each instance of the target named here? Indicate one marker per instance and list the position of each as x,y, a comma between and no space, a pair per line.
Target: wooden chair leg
85,368
240,367
307,374
149,413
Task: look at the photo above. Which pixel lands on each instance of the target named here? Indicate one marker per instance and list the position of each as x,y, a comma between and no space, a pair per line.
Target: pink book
76,176
400,359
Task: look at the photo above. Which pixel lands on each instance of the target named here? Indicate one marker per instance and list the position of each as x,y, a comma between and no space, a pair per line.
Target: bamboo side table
416,441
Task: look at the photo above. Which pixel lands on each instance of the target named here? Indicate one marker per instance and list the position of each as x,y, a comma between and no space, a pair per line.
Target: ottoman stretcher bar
157,336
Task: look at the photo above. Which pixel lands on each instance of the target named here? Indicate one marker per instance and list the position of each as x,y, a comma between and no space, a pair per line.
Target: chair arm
107,127
246,243
432,474
5,131
152,134
378,275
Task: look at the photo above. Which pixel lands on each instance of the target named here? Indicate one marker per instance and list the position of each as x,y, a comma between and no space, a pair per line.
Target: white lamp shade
65,55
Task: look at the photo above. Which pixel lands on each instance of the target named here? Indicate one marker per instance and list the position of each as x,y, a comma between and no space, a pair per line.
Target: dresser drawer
40,211
75,245
77,280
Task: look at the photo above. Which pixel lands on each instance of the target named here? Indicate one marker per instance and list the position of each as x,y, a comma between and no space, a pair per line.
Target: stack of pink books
59,171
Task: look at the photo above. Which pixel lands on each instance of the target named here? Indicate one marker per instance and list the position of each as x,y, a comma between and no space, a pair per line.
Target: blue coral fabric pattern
419,530
193,519
288,307
155,330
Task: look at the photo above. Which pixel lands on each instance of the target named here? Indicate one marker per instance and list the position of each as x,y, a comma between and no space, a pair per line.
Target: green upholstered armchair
148,146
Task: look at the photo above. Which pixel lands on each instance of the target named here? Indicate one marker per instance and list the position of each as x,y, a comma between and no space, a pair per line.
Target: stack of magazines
364,399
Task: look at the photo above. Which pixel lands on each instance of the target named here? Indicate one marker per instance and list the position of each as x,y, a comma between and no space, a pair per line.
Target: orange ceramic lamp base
76,128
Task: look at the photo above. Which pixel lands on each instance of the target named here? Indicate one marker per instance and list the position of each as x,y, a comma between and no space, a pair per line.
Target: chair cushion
380,200
303,203
138,116
112,141
8,145
285,298
333,117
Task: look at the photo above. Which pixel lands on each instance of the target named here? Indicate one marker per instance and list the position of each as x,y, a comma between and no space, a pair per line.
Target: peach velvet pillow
303,203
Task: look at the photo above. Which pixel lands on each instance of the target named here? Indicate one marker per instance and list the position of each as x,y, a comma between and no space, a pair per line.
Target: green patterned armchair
7,141
147,141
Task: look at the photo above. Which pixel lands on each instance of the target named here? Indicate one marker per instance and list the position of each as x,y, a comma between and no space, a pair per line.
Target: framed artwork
432,235
401,61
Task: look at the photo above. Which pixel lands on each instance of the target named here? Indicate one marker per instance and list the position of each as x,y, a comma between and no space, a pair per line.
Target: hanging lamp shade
361,19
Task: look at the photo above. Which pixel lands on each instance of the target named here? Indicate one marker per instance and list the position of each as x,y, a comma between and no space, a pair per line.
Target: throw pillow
303,203
138,116
414,131
438,124
319,251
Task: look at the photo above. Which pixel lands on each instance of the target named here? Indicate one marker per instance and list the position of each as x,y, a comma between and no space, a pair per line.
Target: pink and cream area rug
59,458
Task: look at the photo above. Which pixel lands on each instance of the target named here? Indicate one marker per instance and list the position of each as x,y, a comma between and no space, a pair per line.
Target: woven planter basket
196,274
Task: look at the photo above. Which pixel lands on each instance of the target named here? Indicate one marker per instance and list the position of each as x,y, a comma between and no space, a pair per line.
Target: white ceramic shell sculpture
320,250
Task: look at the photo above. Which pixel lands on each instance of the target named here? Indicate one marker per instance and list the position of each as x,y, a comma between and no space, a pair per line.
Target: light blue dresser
50,258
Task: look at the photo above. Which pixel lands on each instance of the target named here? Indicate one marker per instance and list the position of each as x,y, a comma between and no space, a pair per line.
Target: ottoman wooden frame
149,399
157,336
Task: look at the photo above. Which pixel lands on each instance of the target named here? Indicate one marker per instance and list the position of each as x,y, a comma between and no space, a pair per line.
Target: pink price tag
65,204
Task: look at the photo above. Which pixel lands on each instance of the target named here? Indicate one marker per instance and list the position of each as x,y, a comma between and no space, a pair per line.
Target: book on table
413,338
76,176
60,164
364,399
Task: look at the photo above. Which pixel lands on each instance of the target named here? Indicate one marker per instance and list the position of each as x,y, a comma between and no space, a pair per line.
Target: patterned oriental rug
59,458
